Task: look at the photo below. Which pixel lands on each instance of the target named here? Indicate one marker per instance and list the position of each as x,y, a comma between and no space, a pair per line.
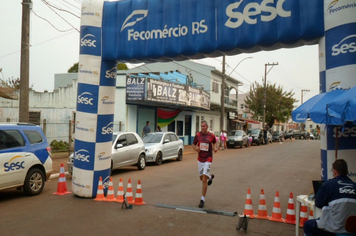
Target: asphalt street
285,167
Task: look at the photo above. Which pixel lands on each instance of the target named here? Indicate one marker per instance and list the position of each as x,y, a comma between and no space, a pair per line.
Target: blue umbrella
315,109
344,106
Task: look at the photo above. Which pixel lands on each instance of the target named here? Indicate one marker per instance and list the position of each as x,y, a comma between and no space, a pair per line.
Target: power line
52,24
50,7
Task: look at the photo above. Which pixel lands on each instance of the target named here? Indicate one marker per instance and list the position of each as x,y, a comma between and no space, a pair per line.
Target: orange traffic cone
262,209
110,196
138,196
276,211
248,205
120,192
311,214
290,217
129,196
100,191
62,184
303,214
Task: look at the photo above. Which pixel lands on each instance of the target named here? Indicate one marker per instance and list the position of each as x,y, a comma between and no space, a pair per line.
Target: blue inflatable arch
163,30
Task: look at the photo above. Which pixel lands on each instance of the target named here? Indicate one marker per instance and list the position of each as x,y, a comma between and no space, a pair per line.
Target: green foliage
122,66
75,67
59,146
279,104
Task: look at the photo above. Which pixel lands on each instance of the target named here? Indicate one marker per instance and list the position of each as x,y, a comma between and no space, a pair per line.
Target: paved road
287,167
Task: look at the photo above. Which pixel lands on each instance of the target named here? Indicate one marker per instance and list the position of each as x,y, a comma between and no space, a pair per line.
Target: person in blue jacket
337,199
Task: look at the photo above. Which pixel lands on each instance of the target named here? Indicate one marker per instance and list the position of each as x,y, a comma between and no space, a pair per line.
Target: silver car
162,146
237,138
127,149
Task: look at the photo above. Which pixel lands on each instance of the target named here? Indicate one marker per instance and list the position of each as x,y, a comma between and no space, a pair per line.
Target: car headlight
149,150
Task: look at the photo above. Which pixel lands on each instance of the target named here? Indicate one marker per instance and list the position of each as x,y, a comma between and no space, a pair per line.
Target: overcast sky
54,40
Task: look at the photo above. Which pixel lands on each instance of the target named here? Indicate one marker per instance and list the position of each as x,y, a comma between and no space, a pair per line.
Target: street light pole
223,90
304,90
264,91
25,62
222,112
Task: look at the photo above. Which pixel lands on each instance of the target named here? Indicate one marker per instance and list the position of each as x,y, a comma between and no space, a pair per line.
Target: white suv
25,157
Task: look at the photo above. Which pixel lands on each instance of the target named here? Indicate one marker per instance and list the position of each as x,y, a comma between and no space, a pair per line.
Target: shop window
172,127
180,128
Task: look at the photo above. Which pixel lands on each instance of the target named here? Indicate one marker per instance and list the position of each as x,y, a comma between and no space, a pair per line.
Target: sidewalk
62,158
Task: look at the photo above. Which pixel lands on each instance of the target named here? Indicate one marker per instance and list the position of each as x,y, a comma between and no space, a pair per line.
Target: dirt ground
59,158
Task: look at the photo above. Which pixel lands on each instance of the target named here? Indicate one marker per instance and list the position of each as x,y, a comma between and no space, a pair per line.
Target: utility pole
304,90
264,91
25,62
222,95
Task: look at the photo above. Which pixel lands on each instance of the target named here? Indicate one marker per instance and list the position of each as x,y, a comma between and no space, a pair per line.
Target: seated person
337,199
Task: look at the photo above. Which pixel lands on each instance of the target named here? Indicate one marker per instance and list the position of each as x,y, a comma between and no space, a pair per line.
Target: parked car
257,136
25,157
288,135
310,135
277,136
127,149
237,138
162,146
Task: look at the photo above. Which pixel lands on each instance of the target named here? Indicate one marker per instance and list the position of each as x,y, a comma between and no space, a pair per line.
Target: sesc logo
84,99
111,74
82,155
106,182
88,41
346,45
348,132
8,166
108,129
252,10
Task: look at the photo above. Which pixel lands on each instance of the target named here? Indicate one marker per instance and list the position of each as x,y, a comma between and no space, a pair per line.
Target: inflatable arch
163,30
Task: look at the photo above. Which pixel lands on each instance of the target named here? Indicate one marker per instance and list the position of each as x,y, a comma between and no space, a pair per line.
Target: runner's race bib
204,146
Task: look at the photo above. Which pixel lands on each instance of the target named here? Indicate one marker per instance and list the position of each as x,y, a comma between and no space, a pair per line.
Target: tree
279,104
74,68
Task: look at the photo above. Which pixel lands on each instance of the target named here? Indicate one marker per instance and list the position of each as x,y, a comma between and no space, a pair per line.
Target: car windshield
235,133
253,131
152,138
275,133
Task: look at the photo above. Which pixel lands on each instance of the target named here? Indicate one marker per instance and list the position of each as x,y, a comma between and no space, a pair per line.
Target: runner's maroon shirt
205,142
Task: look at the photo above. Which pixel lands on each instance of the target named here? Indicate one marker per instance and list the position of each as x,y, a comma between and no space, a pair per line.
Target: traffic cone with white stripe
248,205
262,209
276,211
62,183
129,196
290,217
100,192
120,192
311,214
303,214
138,196
110,196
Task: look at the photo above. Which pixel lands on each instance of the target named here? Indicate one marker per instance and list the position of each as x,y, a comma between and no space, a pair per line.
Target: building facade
56,111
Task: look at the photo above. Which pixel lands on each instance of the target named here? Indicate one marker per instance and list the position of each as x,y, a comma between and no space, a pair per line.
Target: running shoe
211,179
201,204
